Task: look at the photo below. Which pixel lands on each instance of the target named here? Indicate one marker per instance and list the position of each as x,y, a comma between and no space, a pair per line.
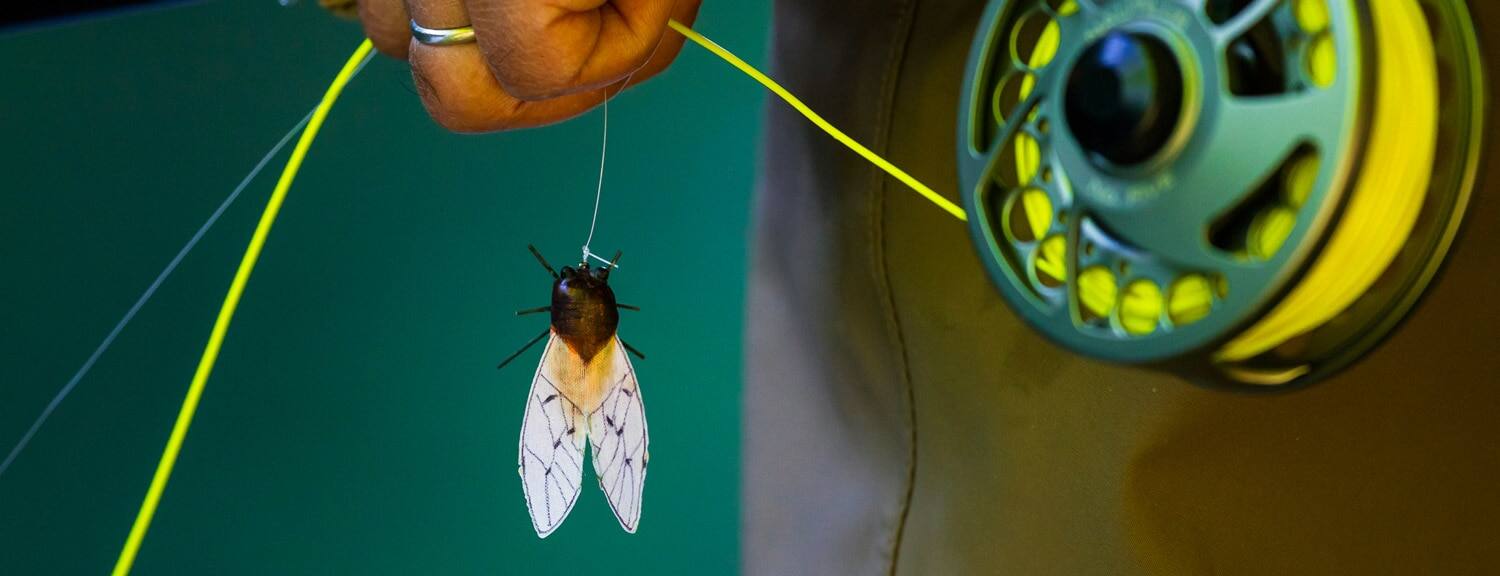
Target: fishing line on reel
1279,223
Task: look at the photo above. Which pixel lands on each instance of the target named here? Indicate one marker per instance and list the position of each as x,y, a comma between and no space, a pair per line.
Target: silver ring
442,36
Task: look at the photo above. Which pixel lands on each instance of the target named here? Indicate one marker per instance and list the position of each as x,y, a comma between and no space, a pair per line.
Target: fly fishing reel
1251,191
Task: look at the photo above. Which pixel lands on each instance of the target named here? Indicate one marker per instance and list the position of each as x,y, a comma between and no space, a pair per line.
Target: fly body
584,312
584,396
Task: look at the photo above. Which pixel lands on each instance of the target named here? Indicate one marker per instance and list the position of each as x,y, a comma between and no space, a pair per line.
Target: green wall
355,422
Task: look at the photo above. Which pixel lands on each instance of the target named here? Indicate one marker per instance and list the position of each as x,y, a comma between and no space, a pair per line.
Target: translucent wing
617,430
552,440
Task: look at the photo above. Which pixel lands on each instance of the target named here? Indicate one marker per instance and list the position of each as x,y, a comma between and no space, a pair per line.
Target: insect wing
617,430
552,442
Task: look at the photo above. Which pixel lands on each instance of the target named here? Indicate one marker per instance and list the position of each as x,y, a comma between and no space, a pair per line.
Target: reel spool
1252,192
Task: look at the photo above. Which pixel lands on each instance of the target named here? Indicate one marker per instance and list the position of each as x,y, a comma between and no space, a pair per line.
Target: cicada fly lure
584,393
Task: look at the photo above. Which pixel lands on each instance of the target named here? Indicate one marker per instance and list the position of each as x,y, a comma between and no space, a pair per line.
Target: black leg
539,258
632,349
618,254
533,310
528,345
628,307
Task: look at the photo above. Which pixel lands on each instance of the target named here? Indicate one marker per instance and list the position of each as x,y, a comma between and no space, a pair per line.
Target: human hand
536,61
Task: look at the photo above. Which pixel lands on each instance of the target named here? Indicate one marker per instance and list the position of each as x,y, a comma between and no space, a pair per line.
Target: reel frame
1148,225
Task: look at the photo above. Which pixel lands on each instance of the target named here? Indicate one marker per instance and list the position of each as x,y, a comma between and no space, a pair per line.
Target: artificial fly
584,390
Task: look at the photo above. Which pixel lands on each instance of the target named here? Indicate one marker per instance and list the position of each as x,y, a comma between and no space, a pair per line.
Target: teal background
355,422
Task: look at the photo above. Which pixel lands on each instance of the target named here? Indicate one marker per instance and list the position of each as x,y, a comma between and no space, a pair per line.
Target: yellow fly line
226,313
818,121
1384,204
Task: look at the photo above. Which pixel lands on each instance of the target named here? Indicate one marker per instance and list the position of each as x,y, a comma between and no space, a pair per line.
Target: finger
452,81
686,12
542,50
387,26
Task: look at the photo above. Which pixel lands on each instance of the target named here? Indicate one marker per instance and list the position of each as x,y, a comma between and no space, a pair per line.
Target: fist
536,61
